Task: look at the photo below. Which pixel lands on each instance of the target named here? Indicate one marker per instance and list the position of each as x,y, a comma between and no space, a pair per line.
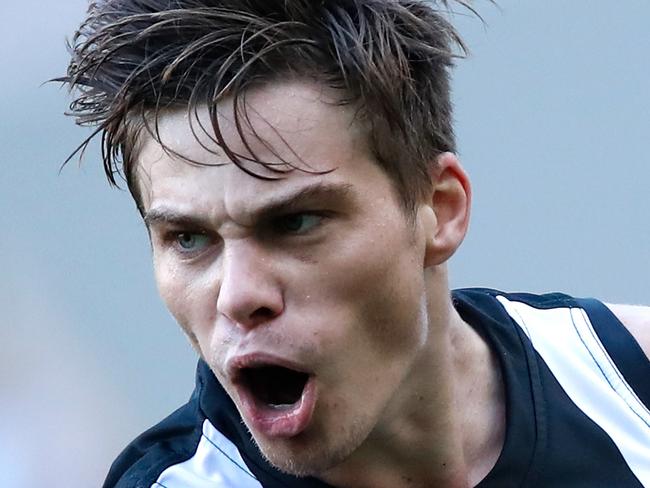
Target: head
293,162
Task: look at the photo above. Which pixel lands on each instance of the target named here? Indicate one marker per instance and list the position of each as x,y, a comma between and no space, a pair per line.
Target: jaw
418,431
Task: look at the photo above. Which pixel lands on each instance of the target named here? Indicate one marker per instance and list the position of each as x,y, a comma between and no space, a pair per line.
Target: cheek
393,315
374,296
187,297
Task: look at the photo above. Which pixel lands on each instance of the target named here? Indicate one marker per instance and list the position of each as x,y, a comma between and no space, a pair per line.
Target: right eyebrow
165,215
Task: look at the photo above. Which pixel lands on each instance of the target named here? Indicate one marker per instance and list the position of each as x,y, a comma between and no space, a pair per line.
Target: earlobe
446,219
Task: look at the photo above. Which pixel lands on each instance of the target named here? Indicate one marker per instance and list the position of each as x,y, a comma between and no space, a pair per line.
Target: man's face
305,295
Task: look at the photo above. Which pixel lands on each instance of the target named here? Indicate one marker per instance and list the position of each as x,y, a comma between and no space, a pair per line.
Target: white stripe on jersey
566,341
215,464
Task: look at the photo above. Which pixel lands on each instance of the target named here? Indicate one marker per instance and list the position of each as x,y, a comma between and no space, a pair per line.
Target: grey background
552,120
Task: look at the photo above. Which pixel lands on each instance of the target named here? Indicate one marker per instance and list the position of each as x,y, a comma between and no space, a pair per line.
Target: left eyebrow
339,193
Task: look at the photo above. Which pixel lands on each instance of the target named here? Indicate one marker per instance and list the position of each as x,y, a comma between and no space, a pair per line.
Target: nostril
249,320
262,313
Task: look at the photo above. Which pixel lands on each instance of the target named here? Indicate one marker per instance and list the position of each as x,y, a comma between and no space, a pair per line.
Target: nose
249,294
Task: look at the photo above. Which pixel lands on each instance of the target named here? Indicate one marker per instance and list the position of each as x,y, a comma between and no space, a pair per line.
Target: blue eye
298,223
192,241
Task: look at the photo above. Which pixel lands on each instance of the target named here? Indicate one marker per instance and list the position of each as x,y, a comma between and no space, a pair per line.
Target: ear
445,216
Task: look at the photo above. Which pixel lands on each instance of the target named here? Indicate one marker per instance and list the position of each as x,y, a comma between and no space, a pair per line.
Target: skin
327,271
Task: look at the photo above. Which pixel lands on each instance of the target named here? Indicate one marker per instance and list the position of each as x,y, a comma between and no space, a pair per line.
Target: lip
257,359
273,422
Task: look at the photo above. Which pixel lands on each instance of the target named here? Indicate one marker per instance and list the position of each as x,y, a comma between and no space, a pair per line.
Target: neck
446,424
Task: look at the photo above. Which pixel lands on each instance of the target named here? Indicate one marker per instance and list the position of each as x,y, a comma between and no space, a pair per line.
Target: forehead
300,123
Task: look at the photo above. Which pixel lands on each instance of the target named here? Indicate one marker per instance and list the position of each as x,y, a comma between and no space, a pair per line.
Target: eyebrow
291,202
165,215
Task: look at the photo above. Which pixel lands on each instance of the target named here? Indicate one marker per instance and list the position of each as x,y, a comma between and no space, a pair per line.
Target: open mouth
274,386
276,399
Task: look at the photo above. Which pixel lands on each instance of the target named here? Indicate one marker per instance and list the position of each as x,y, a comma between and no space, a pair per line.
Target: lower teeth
280,406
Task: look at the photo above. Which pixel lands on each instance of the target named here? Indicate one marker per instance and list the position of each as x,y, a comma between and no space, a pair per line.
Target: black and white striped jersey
577,408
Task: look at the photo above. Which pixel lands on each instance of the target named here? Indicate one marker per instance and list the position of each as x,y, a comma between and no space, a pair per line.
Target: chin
307,455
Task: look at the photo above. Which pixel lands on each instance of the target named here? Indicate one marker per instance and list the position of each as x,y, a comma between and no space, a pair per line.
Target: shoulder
171,441
636,320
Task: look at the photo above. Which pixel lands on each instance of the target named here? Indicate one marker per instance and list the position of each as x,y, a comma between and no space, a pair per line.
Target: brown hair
133,58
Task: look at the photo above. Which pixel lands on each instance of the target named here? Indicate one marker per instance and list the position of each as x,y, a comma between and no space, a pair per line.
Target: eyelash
280,224
171,238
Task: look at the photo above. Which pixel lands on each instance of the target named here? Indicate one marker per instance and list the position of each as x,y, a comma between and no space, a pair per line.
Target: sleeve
621,346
